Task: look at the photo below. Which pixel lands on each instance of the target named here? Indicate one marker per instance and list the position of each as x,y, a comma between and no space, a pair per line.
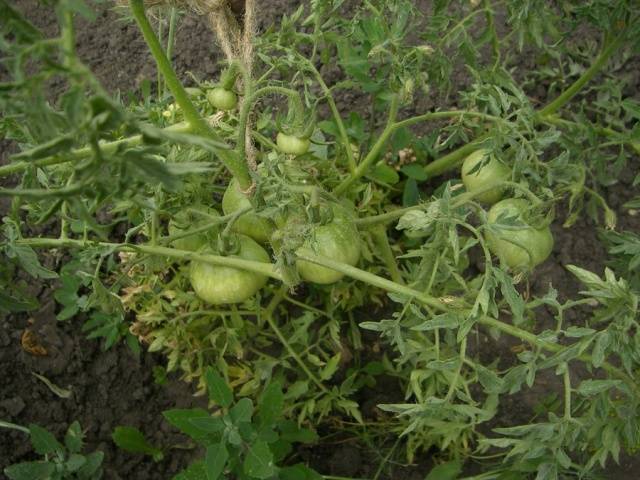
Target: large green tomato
257,227
337,240
222,99
291,144
491,172
218,285
187,220
520,248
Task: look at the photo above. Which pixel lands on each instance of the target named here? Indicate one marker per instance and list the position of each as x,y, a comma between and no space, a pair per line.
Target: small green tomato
219,285
292,145
222,99
475,179
337,240
257,227
188,220
521,248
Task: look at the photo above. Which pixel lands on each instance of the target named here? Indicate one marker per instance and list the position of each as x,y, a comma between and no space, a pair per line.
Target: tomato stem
236,166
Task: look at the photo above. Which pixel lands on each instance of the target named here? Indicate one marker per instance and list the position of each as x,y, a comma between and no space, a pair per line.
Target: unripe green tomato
193,91
218,285
187,220
492,172
519,248
257,227
292,145
222,99
337,240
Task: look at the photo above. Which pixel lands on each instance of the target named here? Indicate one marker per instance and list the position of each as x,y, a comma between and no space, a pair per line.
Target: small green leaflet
43,441
30,471
219,391
132,440
258,462
216,460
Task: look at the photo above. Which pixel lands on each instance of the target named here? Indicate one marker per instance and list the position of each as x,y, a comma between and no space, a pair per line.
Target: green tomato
188,220
337,240
222,98
257,227
193,91
520,248
491,172
292,145
218,285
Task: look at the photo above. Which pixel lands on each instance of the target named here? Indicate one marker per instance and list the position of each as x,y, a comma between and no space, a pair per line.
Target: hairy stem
236,166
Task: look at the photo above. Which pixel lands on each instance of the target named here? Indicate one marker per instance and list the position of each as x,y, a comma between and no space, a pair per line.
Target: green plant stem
566,377
266,269
604,131
554,347
608,49
251,98
452,159
371,279
237,166
382,242
344,137
171,38
40,192
277,298
392,126
80,153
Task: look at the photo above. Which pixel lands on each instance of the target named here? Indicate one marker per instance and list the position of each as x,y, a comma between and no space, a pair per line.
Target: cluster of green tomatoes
518,244
334,237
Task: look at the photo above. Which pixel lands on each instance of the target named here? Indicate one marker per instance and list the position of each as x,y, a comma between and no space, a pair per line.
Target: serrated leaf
43,441
594,387
330,368
29,261
445,320
218,389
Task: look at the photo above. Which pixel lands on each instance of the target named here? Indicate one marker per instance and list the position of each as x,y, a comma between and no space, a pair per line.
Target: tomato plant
381,244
